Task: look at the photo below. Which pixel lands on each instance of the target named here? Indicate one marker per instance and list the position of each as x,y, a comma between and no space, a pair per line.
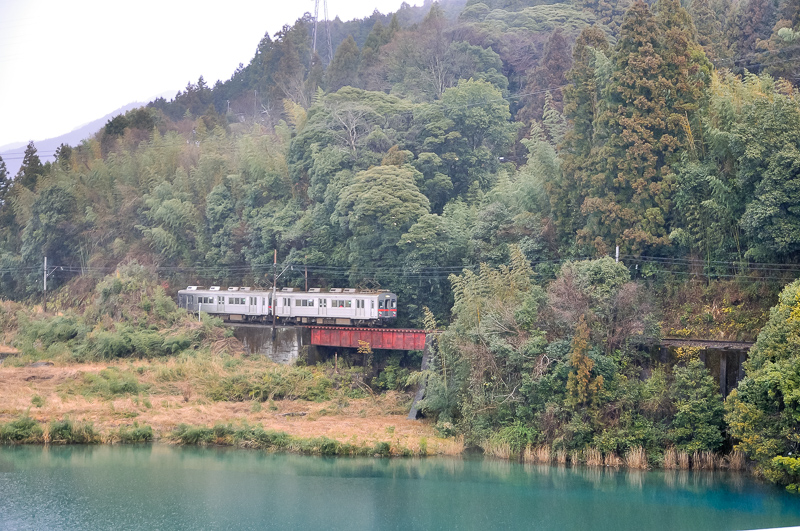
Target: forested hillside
518,134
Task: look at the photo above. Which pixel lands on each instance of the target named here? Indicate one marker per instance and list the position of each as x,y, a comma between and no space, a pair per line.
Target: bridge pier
290,343
724,359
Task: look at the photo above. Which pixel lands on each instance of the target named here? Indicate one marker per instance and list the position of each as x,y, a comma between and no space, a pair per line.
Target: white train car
334,306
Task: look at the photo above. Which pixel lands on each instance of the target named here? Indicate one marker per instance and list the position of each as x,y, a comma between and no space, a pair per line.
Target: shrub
66,431
186,434
762,412
258,437
382,449
135,433
21,430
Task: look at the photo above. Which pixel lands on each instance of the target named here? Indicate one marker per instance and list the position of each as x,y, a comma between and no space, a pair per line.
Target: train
322,306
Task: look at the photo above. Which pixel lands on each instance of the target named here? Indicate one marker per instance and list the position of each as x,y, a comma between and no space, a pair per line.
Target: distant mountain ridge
13,153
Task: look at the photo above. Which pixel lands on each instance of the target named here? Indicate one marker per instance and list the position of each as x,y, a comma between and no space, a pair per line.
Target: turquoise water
163,487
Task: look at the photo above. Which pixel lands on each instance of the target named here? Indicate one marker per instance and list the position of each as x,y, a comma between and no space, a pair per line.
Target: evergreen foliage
762,412
437,139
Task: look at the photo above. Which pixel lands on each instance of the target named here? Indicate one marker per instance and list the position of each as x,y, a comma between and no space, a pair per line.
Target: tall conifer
628,194
549,76
344,67
31,168
582,99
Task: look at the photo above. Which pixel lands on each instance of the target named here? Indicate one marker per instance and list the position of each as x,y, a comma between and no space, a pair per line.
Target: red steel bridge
377,338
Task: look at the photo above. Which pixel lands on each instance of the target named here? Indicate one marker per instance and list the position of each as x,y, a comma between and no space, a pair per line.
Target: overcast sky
66,63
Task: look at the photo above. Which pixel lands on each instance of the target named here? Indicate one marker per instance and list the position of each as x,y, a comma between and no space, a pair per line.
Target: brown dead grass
363,421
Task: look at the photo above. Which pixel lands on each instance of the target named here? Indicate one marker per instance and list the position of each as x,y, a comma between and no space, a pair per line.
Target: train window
348,304
297,302
394,304
381,305
372,304
323,303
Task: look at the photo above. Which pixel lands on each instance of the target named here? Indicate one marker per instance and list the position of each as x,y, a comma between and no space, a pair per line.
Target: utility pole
306,273
44,283
274,291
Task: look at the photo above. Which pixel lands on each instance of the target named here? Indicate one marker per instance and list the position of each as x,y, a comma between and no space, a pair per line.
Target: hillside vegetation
482,161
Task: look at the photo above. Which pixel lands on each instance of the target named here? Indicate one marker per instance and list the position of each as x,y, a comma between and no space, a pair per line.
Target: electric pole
274,291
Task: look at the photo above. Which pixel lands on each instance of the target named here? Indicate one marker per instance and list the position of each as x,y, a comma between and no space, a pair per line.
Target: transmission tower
327,27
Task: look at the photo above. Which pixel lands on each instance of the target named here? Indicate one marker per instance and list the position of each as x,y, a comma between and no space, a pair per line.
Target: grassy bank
207,398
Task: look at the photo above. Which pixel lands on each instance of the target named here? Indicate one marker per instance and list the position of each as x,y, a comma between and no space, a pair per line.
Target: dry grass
671,459
637,458
500,450
175,396
705,460
736,460
612,459
561,456
683,460
593,457
538,454
541,454
575,457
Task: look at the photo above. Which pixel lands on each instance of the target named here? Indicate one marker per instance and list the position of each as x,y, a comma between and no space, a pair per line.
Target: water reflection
165,487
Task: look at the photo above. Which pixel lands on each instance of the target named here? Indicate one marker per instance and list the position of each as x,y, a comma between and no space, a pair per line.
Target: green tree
698,421
583,100
709,29
469,130
31,169
64,157
617,311
762,413
5,182
772,219
647,123
547,78
582,389
377,208
343,69
751,25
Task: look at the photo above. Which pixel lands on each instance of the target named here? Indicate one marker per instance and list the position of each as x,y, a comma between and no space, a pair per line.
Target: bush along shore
26,430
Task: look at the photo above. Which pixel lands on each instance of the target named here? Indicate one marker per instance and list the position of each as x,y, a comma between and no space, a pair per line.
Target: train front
387,306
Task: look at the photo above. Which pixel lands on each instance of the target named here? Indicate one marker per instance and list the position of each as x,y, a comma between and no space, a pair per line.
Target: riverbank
202,398
212,399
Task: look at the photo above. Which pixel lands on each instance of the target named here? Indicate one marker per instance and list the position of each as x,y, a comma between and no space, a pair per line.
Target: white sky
66,63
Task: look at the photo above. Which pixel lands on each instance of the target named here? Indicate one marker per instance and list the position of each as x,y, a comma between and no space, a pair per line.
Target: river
171,488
